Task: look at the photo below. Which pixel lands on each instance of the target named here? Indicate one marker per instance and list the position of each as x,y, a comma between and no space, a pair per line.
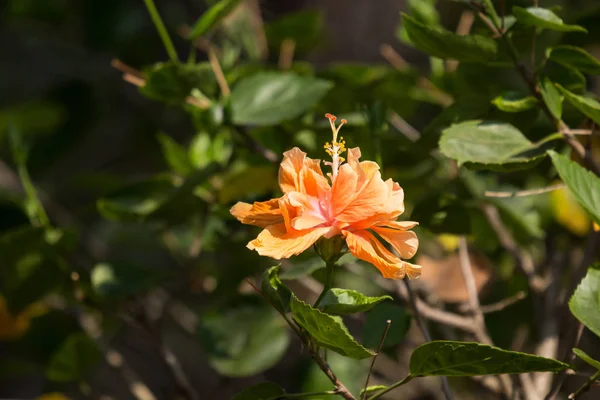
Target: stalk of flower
353,206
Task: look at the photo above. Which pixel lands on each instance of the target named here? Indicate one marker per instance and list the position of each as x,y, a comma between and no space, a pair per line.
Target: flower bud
330,250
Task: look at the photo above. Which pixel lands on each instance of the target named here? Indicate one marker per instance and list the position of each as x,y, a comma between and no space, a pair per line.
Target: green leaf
552,97
449,358
277,293
586,105
172,82
581,354
268,98
136,201
248,182
487,144
377,320
212,17
583,184
585,302
327,331
204,150
175,155
567,77
441,43
514,102
372,389
243,341
543,18
74,359
575,57
344,301
261,391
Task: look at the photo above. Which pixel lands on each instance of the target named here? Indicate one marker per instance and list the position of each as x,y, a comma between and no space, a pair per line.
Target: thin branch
498,306
383,336
569,358
587,386
523,193
286,53
267,154
425,331
404,127
216,67
339,386
200,42
481,333
465,23
162,31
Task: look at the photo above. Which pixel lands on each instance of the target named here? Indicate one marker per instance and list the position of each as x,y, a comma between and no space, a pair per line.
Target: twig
425,331
404,127
500,305
523,193
463,28
383,336
267,154
286,53
480,329
200,42
586,386
522,258
216,67
400,64
569,357
339,386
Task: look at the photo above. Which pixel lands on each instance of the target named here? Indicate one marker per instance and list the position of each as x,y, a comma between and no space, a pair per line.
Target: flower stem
586,386
328,282
162,31
390,388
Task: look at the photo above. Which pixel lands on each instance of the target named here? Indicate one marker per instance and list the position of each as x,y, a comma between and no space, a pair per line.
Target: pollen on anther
344,121
331,117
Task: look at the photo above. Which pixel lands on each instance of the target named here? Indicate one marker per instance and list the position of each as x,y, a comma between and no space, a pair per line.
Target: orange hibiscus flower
355,202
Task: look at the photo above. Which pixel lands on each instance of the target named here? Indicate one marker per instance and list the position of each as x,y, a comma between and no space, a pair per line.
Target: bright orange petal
276,243
405,242
368,200
297,168
260,214
344,189
364,245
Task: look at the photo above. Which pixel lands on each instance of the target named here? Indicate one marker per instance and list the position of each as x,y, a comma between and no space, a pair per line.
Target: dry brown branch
286,53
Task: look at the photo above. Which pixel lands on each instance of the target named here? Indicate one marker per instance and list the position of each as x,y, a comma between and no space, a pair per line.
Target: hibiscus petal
260,214
297,171
293,161
276,242
344,189
301,211
364,245
405,242
367,201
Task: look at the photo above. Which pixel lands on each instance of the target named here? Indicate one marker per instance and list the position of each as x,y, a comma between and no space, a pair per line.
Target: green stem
586,386
394,386
32,197
162,31
328,282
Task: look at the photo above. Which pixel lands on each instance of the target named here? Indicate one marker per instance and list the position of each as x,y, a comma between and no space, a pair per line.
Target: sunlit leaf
582,183
583,355
586,105
327,331
514,102
172,82
544,18
345,301
552,97
487,144
449,358
585,302
271,97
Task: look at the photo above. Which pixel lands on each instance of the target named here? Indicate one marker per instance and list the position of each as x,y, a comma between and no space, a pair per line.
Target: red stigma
330,117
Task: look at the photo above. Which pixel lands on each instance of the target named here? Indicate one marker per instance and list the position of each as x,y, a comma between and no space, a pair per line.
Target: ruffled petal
297,171
260,214
364,245
405,242
301,211
275,242
368,200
